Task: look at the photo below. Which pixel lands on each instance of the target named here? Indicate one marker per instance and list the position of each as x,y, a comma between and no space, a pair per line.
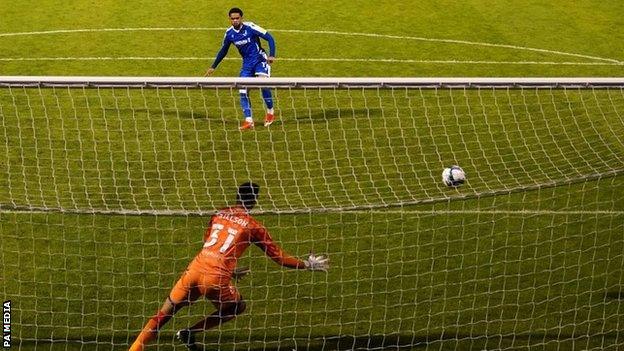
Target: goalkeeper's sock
150,331
215,319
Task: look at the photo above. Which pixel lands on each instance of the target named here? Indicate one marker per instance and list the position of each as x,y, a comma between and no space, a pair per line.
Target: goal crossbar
305,82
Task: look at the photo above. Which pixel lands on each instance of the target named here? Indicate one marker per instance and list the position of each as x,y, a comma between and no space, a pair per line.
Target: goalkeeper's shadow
349,342
446,340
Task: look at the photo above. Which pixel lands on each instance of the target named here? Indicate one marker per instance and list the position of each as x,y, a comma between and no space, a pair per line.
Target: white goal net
107,184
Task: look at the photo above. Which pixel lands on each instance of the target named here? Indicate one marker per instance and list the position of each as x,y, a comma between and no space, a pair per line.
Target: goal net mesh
106,190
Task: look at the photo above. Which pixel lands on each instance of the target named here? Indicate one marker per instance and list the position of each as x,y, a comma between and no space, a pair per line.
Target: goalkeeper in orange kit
230,232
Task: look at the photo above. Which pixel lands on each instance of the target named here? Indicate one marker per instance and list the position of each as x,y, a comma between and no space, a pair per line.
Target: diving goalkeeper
230,232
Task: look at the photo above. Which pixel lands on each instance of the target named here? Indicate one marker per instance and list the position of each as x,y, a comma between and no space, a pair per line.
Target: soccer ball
453,176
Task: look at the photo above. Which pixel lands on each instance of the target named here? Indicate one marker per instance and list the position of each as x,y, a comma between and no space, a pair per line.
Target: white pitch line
456,61
371,35
453,41
329,59
494,212
97,30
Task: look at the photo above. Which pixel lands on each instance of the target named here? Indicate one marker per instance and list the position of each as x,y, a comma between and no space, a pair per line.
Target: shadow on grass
615,295
331,114
169,113
106,342
303,116
318,342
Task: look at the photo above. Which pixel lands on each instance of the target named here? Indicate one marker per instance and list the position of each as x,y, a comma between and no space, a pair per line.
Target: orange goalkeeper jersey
229,234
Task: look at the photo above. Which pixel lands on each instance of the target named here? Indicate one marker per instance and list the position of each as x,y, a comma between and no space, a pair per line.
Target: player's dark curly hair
247,195
235,10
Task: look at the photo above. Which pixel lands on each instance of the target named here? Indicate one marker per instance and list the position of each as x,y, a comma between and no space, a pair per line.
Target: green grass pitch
537,267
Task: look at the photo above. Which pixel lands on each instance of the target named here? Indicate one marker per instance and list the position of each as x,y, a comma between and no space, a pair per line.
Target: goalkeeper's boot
246,125
187,338
269,119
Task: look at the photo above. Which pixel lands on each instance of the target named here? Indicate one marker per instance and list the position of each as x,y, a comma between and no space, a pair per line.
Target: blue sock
245,104
268,98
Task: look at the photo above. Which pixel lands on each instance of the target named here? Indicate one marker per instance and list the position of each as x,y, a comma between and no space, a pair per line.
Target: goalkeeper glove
317,263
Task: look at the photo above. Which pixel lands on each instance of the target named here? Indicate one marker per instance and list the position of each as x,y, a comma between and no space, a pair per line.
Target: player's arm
264,34
264,241
269,38
220,56
271,249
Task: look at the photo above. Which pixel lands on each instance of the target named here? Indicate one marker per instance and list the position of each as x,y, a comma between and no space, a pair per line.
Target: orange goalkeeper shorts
195,284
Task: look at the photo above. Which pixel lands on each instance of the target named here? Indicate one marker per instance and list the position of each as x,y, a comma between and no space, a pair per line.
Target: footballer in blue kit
256,63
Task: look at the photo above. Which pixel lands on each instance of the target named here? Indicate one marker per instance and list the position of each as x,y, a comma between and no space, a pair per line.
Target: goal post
107,184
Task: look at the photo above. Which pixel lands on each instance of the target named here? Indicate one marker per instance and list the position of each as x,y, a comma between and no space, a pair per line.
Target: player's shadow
448,340
615,295
314,342
336,113
165,113
377,342
302,116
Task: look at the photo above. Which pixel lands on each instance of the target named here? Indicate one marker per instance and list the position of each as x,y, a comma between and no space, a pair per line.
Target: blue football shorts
260,69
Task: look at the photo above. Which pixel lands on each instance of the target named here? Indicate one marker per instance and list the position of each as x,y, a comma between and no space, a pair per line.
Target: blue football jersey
247,41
